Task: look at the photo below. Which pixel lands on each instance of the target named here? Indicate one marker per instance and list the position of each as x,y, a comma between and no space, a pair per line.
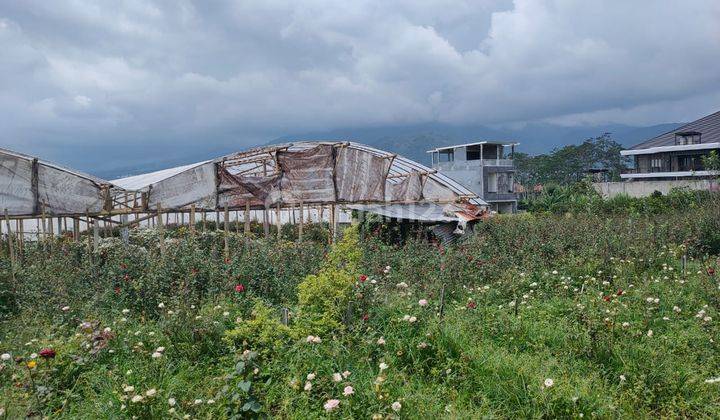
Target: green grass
547,301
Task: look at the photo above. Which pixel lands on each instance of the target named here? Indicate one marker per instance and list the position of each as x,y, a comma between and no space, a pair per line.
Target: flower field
533,316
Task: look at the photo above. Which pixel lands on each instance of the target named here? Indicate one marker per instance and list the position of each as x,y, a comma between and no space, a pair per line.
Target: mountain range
412,141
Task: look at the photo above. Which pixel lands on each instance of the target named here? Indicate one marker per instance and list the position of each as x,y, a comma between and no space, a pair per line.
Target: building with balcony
485,167
677,154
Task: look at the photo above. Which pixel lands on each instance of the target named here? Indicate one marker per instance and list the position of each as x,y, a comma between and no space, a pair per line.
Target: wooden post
278,222
204,220
227,232
87,230
332,223
247,217
42,214
192,219
237,221
21,230
302,221
285,316
10,246
76,229
161,228
217,219
442,300
96,235
266,223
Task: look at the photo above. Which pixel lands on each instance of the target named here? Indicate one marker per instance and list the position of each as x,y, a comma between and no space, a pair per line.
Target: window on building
688,137
473,153
493,182
656,163
447,155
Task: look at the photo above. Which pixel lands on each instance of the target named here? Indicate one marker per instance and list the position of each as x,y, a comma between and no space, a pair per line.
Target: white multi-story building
485,167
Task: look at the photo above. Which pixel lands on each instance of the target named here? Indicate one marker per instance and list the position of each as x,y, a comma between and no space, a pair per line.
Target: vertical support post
204,220
237,221
76,229
87,230
124,230
192,219
10,246
442,301
247,217
96,235
21,238
161,228
302,222
278,222
266,223
227,232
332,223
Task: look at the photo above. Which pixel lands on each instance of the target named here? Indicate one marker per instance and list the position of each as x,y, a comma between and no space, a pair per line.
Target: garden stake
10,246
442,301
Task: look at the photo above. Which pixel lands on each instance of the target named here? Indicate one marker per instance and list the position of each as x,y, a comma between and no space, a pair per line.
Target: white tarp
15,185
408,189
360,175
63,192
426,212
435,191
187,187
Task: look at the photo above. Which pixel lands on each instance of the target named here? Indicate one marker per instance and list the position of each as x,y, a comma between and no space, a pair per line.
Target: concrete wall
645,188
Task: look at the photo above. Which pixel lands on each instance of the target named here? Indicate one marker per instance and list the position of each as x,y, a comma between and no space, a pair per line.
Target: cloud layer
118,77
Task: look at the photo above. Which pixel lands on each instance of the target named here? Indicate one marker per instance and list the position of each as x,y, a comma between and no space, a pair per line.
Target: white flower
348,391
211,401
650,333
396,406
677,309
65,308
387,269
33,356
129,388
336,377
346,374
317,340
161,305
383,366
412,319
422,345
226,313
126,311
622,378
712,380
406,318
151,392
6,356
156,355
310,376
548,383
171,402
310,338
330,405
625,324
423,302
198,401
402,285
381,341
308,386
137,398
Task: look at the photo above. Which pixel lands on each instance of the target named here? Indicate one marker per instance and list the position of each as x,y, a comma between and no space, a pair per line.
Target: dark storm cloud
117,77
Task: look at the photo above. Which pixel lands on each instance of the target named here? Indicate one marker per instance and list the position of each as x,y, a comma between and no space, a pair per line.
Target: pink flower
348,391
423,302
239,288
330,405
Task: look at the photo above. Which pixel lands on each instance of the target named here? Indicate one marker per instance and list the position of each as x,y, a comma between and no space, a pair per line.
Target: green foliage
570,163
262,331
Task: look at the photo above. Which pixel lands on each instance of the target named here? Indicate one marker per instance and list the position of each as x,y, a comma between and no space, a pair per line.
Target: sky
140,79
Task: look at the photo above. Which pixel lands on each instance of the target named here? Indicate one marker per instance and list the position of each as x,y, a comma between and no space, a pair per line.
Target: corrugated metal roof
709,126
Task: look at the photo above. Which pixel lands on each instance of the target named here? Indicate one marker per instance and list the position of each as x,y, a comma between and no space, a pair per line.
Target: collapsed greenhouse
320,178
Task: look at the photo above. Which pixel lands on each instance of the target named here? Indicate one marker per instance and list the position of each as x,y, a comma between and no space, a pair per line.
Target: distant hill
412,141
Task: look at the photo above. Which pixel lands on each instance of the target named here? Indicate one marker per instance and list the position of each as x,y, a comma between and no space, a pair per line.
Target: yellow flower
32,364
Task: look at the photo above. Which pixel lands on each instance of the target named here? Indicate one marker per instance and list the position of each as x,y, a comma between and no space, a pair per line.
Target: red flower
363,277
126,277
123,266
606,298
47,353
117,290
711,271
620,292
227,260
365,317
194,270
471,305
239,288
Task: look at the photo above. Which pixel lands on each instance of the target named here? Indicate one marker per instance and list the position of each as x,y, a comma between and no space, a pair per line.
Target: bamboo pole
10,246
161,228
192,219
204,220
76,229
278,222
227,232
332,223
21,230
302,222
247,217
96,235
266,223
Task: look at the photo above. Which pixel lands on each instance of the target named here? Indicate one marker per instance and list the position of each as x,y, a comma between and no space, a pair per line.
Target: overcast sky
116,77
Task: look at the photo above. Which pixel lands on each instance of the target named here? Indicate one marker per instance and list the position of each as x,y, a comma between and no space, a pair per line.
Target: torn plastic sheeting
15,185
189,186
63,192
426,212
360,175
307,175
408,189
